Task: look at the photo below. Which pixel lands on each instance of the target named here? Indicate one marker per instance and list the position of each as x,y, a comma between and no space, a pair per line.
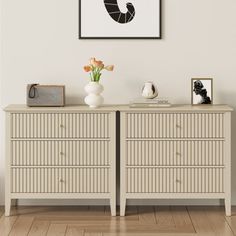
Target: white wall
40,44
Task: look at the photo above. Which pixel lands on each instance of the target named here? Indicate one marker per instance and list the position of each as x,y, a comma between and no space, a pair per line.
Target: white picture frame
119,19
202,91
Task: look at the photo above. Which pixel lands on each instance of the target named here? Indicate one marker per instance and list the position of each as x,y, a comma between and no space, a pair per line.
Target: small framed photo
202,91
123,19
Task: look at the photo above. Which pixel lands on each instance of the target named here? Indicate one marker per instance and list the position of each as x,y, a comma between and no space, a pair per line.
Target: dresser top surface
122,108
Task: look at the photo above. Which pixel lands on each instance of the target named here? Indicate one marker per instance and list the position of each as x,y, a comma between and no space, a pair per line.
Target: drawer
175,180
60,180
79,125
174,153
60,153
177,125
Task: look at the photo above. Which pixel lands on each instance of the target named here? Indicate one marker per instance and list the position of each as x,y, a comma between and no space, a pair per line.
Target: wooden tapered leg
113,206
228,206
7,206
122,206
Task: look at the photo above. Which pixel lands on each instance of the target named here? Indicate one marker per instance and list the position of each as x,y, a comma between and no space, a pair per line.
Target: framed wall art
202,91
119,19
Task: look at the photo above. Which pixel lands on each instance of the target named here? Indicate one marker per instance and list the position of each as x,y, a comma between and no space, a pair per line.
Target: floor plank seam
209,220
171,207
154,210
13,225
66,229
48,227
155,214
229,225
191,220
31,226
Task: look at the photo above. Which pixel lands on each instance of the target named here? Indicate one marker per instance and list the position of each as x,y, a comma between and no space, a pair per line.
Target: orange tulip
109,68
95,63
95,67
87,68
98,64
92,61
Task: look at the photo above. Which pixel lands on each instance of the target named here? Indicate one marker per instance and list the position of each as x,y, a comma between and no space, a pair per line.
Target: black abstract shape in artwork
115,13
200,90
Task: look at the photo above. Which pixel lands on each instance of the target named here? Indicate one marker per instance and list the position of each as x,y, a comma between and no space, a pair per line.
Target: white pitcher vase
149,90
94,98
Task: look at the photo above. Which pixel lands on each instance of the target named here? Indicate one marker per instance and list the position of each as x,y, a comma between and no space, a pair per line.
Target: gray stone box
45,95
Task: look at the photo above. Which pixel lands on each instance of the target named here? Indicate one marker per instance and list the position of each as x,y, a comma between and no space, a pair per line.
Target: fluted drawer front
175,153
60,153
175,180
79,125
177,125
60,180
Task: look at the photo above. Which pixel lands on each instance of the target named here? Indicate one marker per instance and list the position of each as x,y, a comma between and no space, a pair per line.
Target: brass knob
61,126
178,153
61,181
61,153
178,181
178,126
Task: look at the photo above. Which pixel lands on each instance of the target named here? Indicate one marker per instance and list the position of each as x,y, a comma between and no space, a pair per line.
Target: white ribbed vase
94,98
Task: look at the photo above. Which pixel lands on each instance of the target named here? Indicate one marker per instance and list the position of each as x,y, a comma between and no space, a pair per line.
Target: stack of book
150,103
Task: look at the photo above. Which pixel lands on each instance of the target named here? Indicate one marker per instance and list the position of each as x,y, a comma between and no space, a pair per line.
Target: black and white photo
202,91
119,19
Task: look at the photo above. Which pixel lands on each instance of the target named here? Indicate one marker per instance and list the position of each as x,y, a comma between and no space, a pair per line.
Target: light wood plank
216,217
92,234
181,218
6,224
39,228
170,221
85,223
164,216
57,230
200,221
232,220
72,220
151,234
146,215
74,231
22,226
134,229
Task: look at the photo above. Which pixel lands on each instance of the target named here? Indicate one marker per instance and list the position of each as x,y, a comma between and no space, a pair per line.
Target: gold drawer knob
178,181
178,154
61,153
61,126
61,181
178,126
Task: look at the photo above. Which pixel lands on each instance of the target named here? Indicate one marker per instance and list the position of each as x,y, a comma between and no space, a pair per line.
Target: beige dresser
181,152
60,153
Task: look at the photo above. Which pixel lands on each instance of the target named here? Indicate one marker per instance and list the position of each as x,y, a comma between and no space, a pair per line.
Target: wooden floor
91,221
